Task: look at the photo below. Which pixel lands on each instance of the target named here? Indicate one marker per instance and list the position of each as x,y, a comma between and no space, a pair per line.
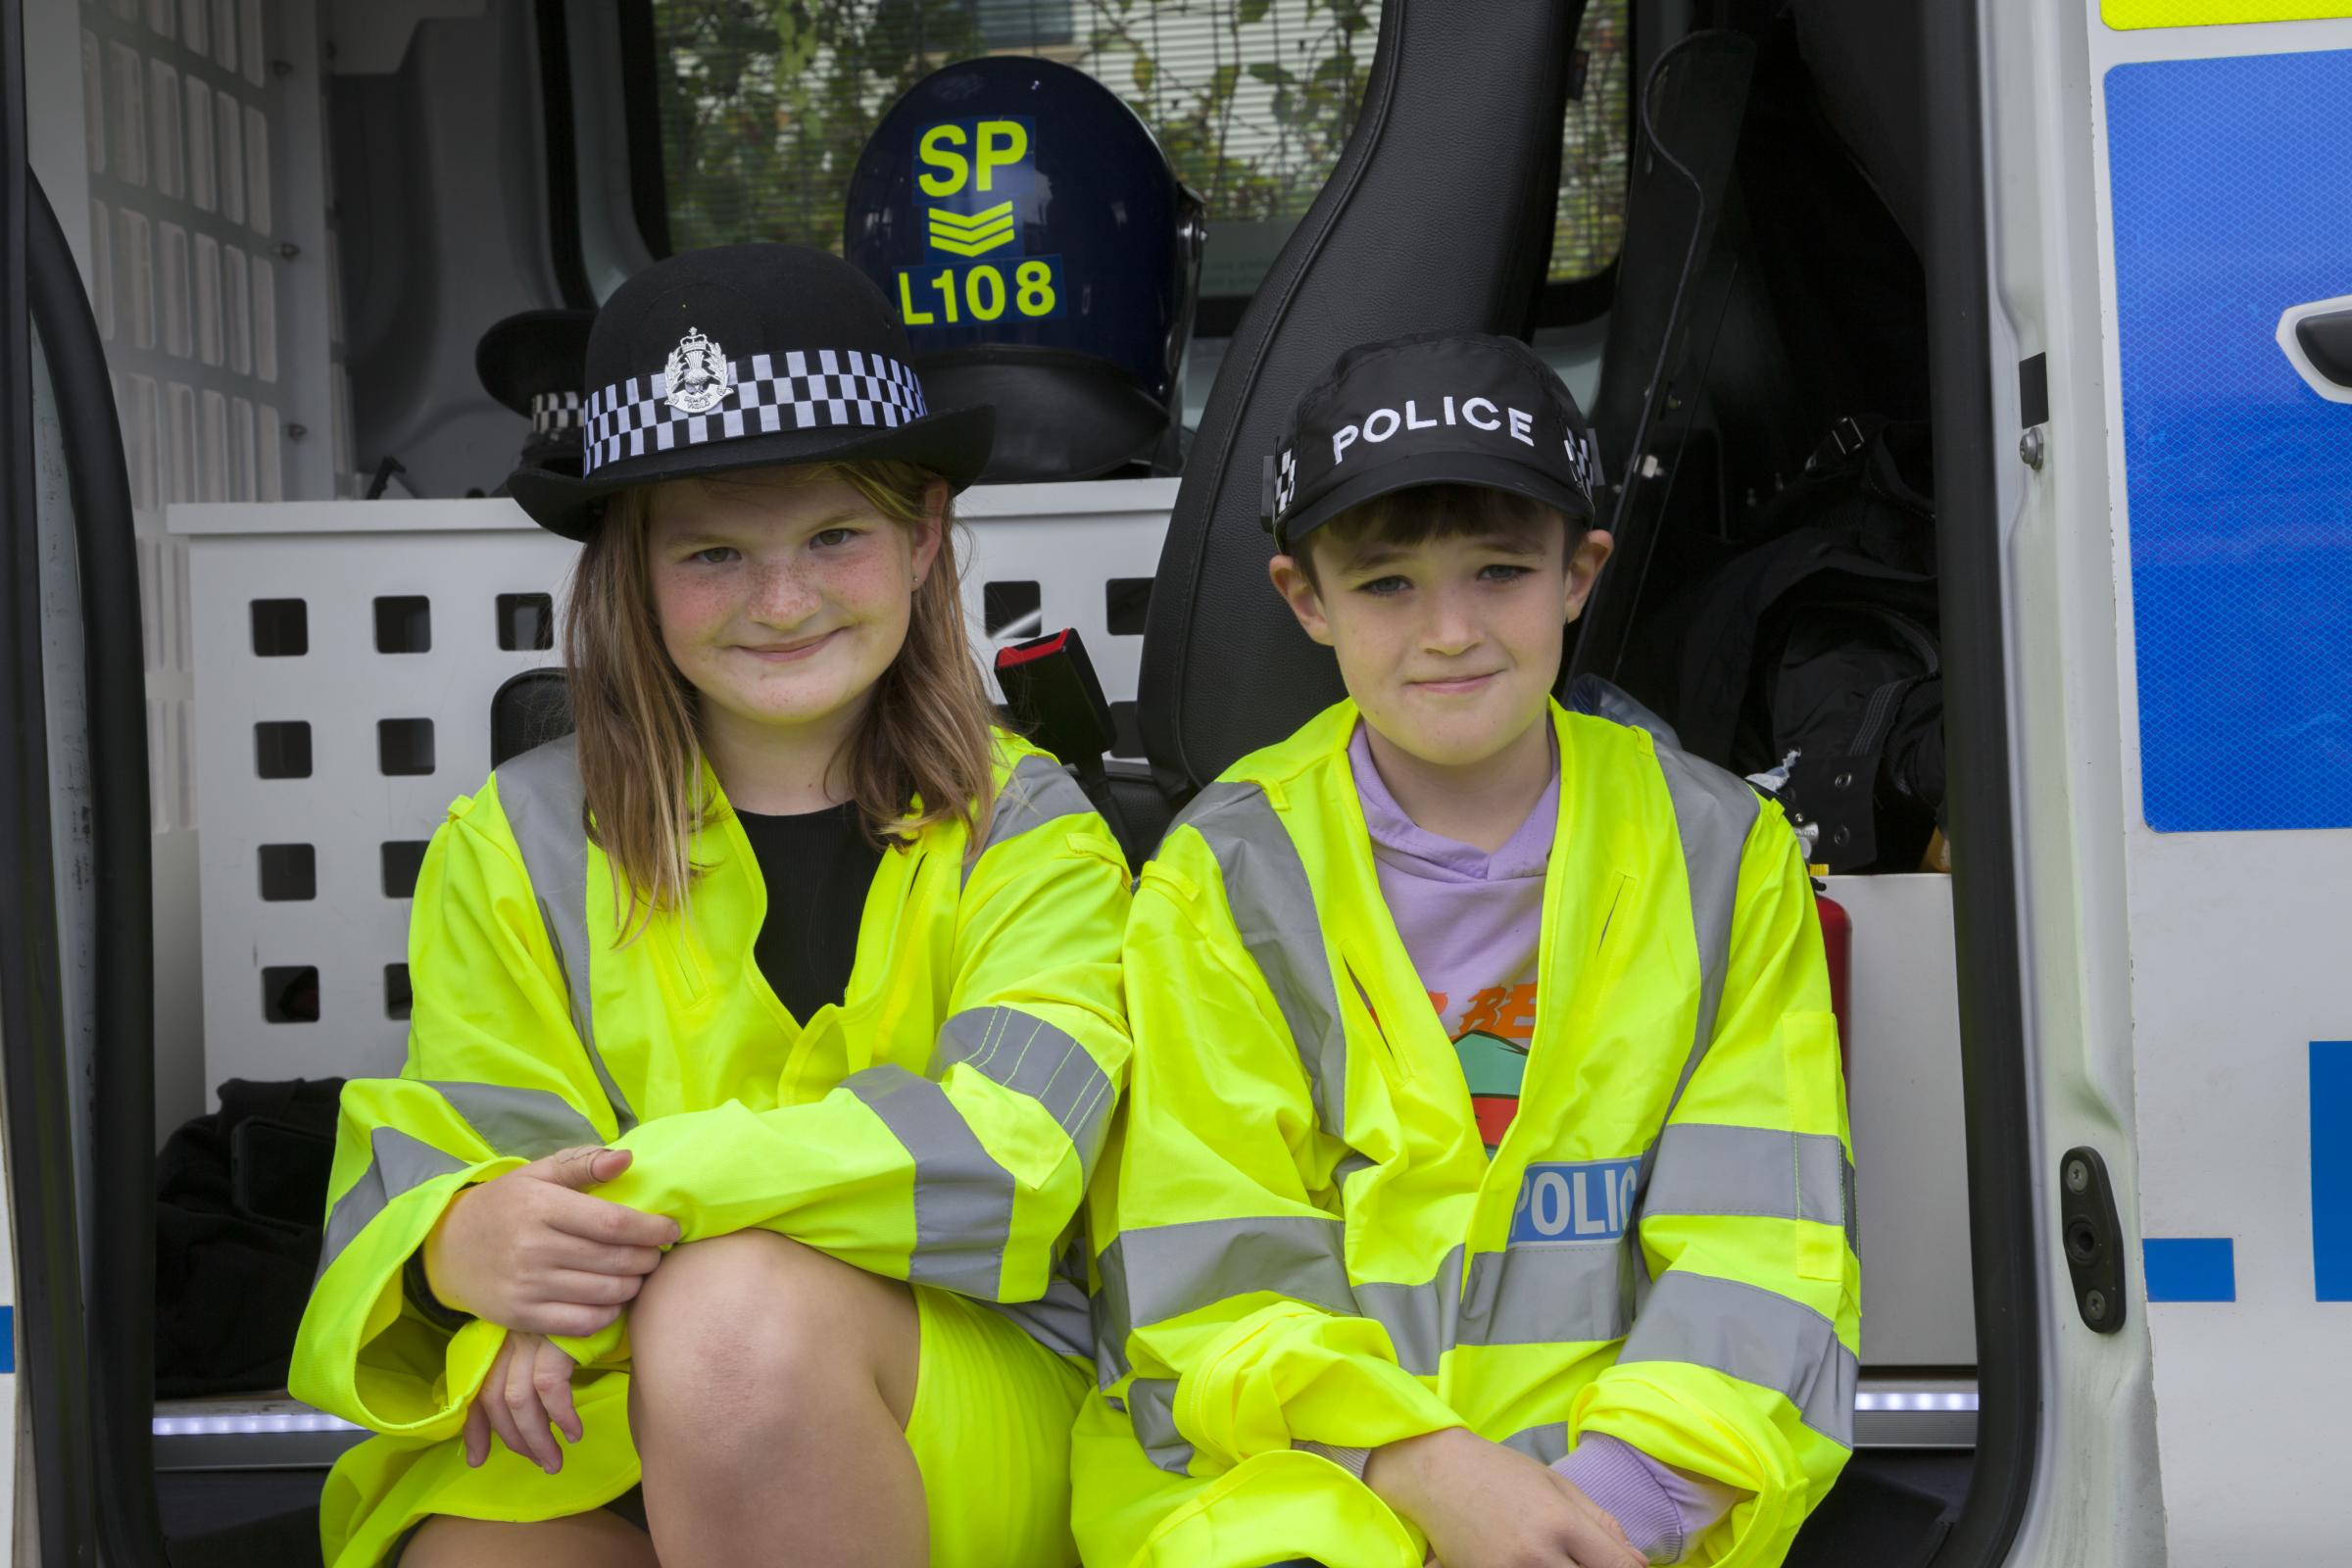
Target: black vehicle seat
1438,215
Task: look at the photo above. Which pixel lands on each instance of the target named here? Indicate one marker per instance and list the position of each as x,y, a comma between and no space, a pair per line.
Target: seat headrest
1438,217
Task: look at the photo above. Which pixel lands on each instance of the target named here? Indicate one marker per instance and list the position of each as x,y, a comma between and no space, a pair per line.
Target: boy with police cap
1485,1189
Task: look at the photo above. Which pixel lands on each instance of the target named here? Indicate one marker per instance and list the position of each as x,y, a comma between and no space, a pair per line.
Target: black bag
240,1205
1819,639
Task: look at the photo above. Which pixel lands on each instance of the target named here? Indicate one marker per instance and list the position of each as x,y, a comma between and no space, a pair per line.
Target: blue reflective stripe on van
2235,469
2190,1268
8,1338
2330,1169
1589,1201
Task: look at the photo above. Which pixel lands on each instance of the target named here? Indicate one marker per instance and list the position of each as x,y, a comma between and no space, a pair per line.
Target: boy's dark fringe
1422,512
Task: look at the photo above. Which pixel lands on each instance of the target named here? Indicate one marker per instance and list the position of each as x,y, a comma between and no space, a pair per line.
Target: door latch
2091,1238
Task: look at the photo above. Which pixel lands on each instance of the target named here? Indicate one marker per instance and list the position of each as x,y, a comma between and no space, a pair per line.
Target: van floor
1891,1509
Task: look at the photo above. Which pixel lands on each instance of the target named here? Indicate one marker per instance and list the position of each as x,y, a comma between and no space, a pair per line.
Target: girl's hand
532,1251
527,1390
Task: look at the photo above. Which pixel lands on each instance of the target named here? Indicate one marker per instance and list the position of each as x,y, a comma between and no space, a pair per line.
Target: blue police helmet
1043,256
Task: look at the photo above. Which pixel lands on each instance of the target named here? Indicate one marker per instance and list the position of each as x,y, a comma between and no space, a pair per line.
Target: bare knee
743,1334
596,1539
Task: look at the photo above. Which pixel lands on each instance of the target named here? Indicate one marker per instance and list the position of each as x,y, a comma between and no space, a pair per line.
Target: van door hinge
2091,1238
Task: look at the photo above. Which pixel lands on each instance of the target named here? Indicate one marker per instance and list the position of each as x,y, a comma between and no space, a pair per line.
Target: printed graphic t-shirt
1470,921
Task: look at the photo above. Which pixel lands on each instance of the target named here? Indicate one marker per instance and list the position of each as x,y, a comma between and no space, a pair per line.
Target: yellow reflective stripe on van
2124,14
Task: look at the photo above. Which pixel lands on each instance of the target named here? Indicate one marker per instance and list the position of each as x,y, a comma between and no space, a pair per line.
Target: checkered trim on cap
771,393
553,412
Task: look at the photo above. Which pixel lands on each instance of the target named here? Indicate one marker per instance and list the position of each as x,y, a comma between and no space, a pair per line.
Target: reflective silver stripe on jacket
1421,1318
1062,1319
1151,1406
525,1123
1708,1168
1162,1272
1274,914
1039,791
1028,1056
545,809
1551,1293
1755,1334
963,1199
1544,1293
1713,812
398,1164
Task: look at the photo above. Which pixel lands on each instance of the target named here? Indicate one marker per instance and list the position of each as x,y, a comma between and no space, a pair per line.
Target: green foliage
765,104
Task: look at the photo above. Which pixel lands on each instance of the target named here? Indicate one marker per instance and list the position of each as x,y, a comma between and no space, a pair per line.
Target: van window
762,109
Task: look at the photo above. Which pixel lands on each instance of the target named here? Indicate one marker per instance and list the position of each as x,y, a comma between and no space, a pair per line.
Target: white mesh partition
179,143
346,657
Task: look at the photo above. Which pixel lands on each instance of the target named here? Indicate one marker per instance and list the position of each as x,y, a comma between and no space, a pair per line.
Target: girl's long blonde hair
923,753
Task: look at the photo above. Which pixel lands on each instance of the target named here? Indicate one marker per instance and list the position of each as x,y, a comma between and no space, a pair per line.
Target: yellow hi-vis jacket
937,1125
1303,1239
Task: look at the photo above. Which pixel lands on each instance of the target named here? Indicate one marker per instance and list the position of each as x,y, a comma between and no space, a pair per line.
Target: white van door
2169,322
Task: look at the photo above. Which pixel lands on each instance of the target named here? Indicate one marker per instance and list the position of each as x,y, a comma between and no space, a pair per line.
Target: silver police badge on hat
697,377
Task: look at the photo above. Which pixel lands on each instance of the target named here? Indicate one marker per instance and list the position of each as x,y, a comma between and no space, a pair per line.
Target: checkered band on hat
553,412
1286,480
769,394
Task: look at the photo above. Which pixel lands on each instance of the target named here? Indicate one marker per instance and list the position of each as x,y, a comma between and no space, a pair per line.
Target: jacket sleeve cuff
1662,1511
430,1307
368,1350
1292,1373
1351,1460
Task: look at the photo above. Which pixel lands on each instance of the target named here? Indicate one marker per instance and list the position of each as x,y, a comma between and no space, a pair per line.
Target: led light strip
222,1426
215,1426
1869,1400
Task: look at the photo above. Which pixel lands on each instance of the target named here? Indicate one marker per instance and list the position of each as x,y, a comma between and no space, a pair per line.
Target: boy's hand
527,1390
532,1251
1484,1505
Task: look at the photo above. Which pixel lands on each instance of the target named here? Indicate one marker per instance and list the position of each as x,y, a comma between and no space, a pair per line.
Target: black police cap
1433,407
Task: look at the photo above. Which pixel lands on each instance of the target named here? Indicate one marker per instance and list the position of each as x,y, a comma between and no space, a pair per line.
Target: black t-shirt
817,866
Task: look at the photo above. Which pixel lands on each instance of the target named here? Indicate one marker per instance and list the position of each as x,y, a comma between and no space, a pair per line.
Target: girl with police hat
765,1031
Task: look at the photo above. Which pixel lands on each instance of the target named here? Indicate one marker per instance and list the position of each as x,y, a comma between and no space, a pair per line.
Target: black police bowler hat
745,356
532,362
1432,408
532,355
